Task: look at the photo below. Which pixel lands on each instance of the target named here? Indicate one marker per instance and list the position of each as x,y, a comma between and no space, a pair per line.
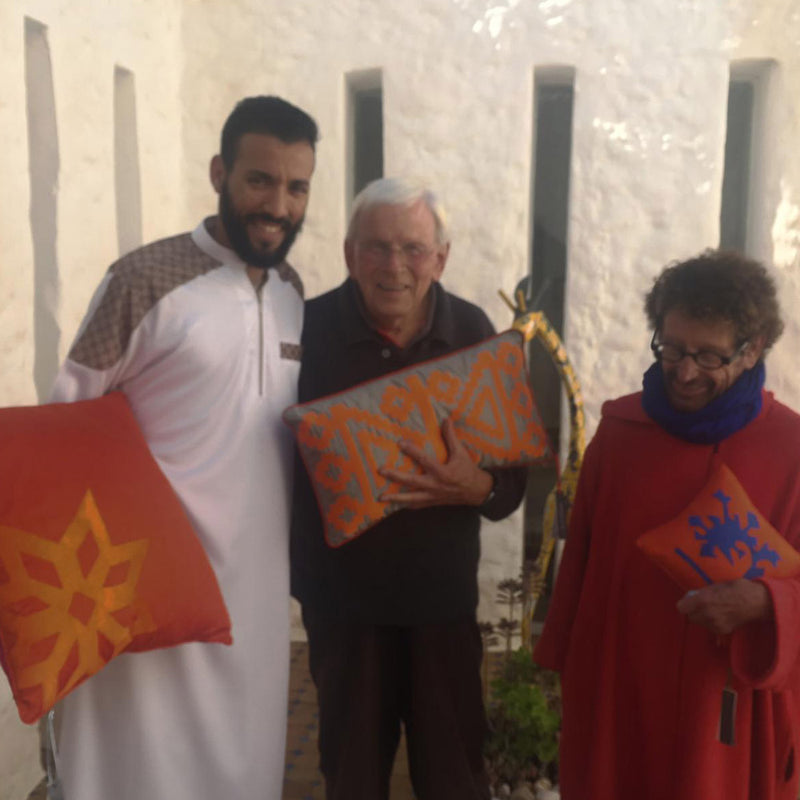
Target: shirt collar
439,325
202,237
205,240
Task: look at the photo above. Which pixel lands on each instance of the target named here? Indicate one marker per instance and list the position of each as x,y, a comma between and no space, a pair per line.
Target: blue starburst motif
728,538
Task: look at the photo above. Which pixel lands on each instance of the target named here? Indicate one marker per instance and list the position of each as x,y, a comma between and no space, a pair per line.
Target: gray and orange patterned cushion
344,439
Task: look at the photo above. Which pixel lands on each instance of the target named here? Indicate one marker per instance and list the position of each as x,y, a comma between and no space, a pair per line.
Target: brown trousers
371,679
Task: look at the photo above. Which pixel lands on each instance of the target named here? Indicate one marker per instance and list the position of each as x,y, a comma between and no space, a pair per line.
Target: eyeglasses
410,253
705,359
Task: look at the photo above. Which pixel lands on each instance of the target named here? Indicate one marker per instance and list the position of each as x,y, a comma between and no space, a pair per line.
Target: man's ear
441,259
350,255
217,173
754,351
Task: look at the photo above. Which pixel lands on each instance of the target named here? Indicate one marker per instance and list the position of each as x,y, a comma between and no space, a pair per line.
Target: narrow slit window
550,177
742,175
43,169
127,184
365,130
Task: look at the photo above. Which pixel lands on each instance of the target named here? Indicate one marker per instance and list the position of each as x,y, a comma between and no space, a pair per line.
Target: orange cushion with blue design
345,438
97,556
720,536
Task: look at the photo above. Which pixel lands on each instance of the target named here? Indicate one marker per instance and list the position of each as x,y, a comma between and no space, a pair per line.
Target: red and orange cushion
97,556
720,536
345,438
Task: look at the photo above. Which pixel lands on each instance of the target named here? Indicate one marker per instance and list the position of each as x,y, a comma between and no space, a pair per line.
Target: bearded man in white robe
201,332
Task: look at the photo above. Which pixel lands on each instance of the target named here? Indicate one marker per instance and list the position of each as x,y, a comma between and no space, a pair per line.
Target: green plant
524,717
524,704
488,640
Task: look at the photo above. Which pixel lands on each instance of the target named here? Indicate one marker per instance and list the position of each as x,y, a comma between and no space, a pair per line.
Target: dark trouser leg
445,718
355,668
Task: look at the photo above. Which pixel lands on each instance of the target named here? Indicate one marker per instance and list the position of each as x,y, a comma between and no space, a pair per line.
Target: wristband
492,492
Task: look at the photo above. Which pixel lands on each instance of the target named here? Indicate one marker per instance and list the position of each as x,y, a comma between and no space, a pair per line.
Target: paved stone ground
302,780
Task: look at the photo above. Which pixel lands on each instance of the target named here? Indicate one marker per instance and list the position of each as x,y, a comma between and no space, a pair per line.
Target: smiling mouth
268,226
687,398
688,390
393,289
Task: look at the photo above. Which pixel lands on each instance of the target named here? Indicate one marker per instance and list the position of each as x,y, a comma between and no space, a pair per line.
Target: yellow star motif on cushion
67,607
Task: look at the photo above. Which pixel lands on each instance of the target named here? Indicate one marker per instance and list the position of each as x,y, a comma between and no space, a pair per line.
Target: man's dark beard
236,227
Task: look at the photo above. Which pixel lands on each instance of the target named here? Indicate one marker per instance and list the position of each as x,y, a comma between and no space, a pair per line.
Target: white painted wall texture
649,120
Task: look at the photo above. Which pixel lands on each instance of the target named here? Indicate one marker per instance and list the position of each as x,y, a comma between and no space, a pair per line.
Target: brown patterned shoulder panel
137,282
287,273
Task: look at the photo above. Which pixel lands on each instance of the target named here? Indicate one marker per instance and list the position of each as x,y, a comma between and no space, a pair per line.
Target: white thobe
208,365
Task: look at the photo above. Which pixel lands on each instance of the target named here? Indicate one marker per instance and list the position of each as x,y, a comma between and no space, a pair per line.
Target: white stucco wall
648,146
648,142
86,41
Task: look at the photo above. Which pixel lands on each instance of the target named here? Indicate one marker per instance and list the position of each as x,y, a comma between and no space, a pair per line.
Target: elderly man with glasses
670,693
390,617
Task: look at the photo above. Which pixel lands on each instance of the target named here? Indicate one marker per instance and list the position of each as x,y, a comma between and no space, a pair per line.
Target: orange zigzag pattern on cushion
346,438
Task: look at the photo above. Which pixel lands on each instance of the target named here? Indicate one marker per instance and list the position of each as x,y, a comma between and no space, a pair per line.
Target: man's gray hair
398,192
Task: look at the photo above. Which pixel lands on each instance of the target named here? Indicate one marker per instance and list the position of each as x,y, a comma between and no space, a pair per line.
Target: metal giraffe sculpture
559,502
